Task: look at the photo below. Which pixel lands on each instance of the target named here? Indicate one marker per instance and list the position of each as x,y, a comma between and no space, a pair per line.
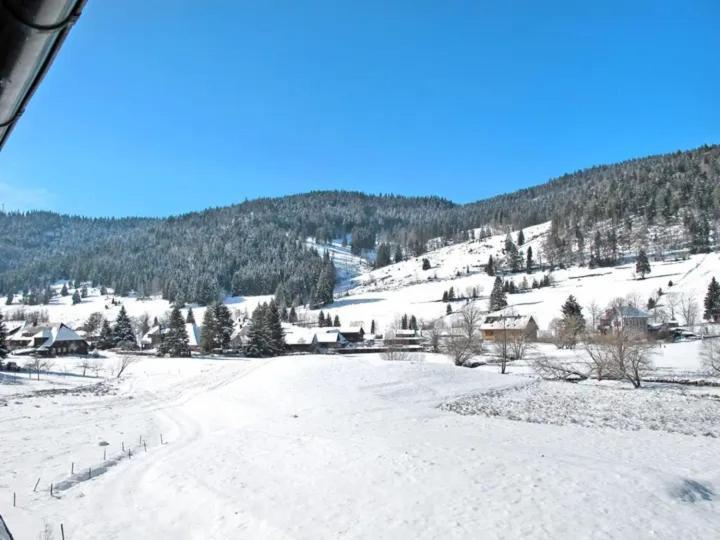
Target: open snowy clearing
326,447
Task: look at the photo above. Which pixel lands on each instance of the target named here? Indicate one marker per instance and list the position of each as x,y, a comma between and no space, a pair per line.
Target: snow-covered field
336,446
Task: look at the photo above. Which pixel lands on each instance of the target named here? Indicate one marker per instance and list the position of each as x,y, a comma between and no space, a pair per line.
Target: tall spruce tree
490,266
336,321
642,265
712,301
520,238
292,317
572,313
175,341
225,325
123,334
498,300
209,335
259,341
529,260
64,290
76,299
274,327
3,337
190,316
321,319
106,339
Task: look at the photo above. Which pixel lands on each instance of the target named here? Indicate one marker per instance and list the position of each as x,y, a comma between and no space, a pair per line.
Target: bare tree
518,346
123,363
599,356
395,353
85,364
710,355
595,313
37,365
556,368
672,303
689,309
630,356
434,332
464,339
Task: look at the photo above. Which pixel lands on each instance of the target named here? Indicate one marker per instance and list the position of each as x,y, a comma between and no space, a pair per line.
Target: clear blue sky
156,107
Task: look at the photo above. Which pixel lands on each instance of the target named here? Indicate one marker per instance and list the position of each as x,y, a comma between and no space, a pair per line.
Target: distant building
153,338
624,318
403,338
52,339
497,328
329,338
354,334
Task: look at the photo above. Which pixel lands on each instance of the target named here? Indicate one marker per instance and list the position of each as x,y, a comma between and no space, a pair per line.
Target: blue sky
157,107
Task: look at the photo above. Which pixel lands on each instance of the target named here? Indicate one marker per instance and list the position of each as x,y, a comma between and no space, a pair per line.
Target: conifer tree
292,318
372,327
3,337
445,296
529,260
404,322
642,265
106,339
64,290
76,298
412,324
571,309
209,335
520,238
175,341
451,294
9,299
103,290
190,316
225,325
490,266
498,299
259,342
712,301
84,291
336,321
398,254
321,319
448,309
274,328
123,332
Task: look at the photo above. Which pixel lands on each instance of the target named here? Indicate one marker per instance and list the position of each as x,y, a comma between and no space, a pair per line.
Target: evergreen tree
190,316
103,290
383,256
3,336
123,332
106,339
498,299
413,325
712,301
9,299
47,295
274,328
426,264
448,309
572,310
292,318
321,319
64,290
490,266
209,335
529,260
175,341
404,322
259,341
451,294
398,254
336,321
84,291
445,296
642,265
225,324
326,282
520,238
372,327
76,297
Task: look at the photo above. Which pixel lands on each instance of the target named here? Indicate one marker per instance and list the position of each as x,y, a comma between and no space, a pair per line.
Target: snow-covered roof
193,332
506,322
351,330
299,336
630,312
405,333
329,336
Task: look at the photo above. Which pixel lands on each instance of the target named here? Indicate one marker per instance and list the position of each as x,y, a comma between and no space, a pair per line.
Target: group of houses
49,339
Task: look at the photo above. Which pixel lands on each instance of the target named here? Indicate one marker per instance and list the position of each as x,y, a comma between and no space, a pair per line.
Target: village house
328,339
497,328
51,339
404,338
625,318
354,334
153,338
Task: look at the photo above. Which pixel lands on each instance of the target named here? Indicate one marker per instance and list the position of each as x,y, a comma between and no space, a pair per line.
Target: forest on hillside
671,201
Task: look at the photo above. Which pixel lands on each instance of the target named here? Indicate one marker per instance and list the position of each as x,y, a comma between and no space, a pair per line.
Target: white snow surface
333,446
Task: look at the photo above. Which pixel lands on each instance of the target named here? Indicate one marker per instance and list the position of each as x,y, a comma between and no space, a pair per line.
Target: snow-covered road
327,447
